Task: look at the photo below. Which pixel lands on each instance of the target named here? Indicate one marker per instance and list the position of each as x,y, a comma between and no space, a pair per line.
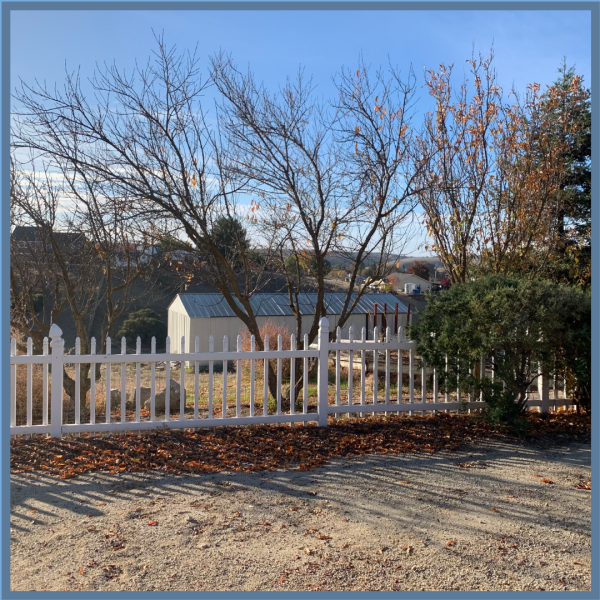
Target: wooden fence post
56,400
323,372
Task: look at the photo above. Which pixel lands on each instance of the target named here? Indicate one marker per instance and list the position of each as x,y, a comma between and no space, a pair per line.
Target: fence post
56,401
544,392
323,372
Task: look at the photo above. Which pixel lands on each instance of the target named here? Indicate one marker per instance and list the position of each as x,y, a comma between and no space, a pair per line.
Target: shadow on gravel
401,488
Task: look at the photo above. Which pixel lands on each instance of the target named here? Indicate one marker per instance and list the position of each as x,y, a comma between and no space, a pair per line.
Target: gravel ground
477,519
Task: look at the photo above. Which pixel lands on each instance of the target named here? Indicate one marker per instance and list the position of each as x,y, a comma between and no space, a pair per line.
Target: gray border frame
7,7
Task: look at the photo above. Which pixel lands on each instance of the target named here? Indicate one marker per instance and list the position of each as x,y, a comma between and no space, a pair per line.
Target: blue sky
529,45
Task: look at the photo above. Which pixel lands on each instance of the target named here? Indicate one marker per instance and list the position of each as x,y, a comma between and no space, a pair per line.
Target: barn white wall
180,324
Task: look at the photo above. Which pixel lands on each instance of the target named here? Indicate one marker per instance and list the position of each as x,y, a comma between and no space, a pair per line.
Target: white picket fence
358,355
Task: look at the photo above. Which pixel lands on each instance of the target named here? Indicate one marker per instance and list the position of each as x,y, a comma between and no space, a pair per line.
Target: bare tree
70,243
327,178
147,135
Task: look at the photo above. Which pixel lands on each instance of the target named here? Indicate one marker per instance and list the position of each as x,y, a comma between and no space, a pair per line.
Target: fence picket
305,379
252,377
45,385
481,376
350,368
411,377
436,397
153,381
238,387
387,368
423,383
93,384
138,380
168,381
375,367
196,378
338,337
224,398
13,384
182,398
400,365
211,348
266,379
29,382
77,383
107,403
123,378
279,348
470,394
446,392
458,391
363,375
292,379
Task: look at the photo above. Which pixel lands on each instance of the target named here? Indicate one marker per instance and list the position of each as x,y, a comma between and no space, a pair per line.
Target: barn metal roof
270,305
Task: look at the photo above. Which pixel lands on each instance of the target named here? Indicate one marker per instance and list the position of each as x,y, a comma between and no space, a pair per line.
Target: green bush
38,302
530,327
144,323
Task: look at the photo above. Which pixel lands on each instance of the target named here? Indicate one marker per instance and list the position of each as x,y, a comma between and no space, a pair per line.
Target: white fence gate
360,356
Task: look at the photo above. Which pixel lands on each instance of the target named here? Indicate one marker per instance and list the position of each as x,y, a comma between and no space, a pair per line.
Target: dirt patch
377,522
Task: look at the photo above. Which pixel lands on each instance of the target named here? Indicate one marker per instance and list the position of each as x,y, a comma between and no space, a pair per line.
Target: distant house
147,254
407,283
358,279
135,255
203,315
37,237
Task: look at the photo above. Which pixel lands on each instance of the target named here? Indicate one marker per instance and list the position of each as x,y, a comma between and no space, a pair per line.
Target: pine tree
568,103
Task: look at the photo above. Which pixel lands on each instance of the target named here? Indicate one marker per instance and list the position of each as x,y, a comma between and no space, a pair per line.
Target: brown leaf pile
267,447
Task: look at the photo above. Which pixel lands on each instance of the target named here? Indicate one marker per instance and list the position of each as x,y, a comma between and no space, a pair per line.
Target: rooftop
271,305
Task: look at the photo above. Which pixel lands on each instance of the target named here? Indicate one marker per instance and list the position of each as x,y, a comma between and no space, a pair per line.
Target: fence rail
228,399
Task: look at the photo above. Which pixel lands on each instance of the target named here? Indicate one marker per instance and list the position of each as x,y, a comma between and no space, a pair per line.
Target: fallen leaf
547,481
451,543
494,509
153,523
259,448
309,551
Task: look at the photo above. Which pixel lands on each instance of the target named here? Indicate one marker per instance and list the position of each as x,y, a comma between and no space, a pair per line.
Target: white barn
203,315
